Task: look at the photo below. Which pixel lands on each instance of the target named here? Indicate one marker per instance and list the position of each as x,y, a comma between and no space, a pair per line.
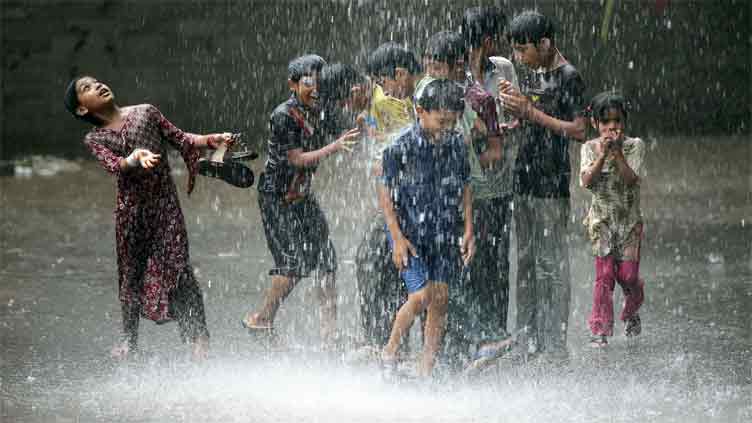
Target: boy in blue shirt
425,193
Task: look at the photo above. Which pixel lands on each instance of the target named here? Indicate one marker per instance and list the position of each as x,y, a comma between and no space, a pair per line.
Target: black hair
530,26
442,94
388,57
445,47
606,101
304,66
336,81
480,22
70,100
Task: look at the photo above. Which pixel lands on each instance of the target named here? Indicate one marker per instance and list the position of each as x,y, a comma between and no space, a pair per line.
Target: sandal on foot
633,326
254,327
489,352
599,341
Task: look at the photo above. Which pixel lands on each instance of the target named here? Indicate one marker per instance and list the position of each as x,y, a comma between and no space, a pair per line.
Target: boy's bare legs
327,294
435,326
280,289
415,304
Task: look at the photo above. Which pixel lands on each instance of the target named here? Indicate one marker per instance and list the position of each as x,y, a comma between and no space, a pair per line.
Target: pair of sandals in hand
227,166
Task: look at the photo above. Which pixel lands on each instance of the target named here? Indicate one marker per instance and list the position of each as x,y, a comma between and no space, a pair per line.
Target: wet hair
442,94
388,57
304,66
530,26
337,80
480,22
445,47
70,100
606,101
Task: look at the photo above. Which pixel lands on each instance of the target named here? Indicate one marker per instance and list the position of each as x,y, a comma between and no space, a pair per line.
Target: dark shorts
297,235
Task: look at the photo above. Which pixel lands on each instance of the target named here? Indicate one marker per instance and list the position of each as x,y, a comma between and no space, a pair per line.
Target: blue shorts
428,267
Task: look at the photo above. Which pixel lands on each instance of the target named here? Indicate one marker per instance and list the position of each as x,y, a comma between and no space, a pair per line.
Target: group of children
459,146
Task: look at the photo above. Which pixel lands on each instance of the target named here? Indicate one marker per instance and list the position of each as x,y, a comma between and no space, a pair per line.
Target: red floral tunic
152,243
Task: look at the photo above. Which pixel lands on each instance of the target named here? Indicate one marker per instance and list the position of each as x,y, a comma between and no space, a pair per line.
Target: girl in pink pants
611,168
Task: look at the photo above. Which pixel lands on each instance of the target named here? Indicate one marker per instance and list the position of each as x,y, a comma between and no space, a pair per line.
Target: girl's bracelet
132,160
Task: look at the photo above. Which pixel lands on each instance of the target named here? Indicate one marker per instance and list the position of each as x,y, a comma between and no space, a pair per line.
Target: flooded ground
59,313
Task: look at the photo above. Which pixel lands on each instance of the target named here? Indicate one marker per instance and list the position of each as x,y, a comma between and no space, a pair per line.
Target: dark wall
215,65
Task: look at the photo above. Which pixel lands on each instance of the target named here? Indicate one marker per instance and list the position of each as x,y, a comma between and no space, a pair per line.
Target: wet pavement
59,313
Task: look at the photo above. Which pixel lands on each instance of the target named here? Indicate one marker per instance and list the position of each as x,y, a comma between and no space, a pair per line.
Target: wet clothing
390,114
292,125
541,211
608,270
426,183
297,235
151,238
497,180
433,267
380,288
479,305
296,230
615,208
543,286
543,162
614,225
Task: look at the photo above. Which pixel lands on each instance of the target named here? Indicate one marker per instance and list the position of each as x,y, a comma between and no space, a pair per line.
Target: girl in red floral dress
155,277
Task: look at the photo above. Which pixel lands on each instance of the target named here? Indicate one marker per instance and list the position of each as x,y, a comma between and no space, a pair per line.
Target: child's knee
418,300
439,295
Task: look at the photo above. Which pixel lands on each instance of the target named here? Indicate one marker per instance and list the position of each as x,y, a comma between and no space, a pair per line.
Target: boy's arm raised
298,158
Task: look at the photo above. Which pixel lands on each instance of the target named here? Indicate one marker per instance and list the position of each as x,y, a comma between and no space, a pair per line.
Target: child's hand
213,141
467,248
516,104
506,87
348,140
607,146
143,158
403,248
508,127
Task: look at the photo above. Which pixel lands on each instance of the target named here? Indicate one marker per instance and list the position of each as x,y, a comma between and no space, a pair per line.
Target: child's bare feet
200,349
598,341
120,351
254,321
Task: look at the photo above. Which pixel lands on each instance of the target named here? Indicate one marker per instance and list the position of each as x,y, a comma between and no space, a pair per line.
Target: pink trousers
607,272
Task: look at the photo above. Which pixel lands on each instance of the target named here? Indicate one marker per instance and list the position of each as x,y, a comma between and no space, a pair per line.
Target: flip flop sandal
633,326
221,165
256,328
485,355
598,342
242,155
234,173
